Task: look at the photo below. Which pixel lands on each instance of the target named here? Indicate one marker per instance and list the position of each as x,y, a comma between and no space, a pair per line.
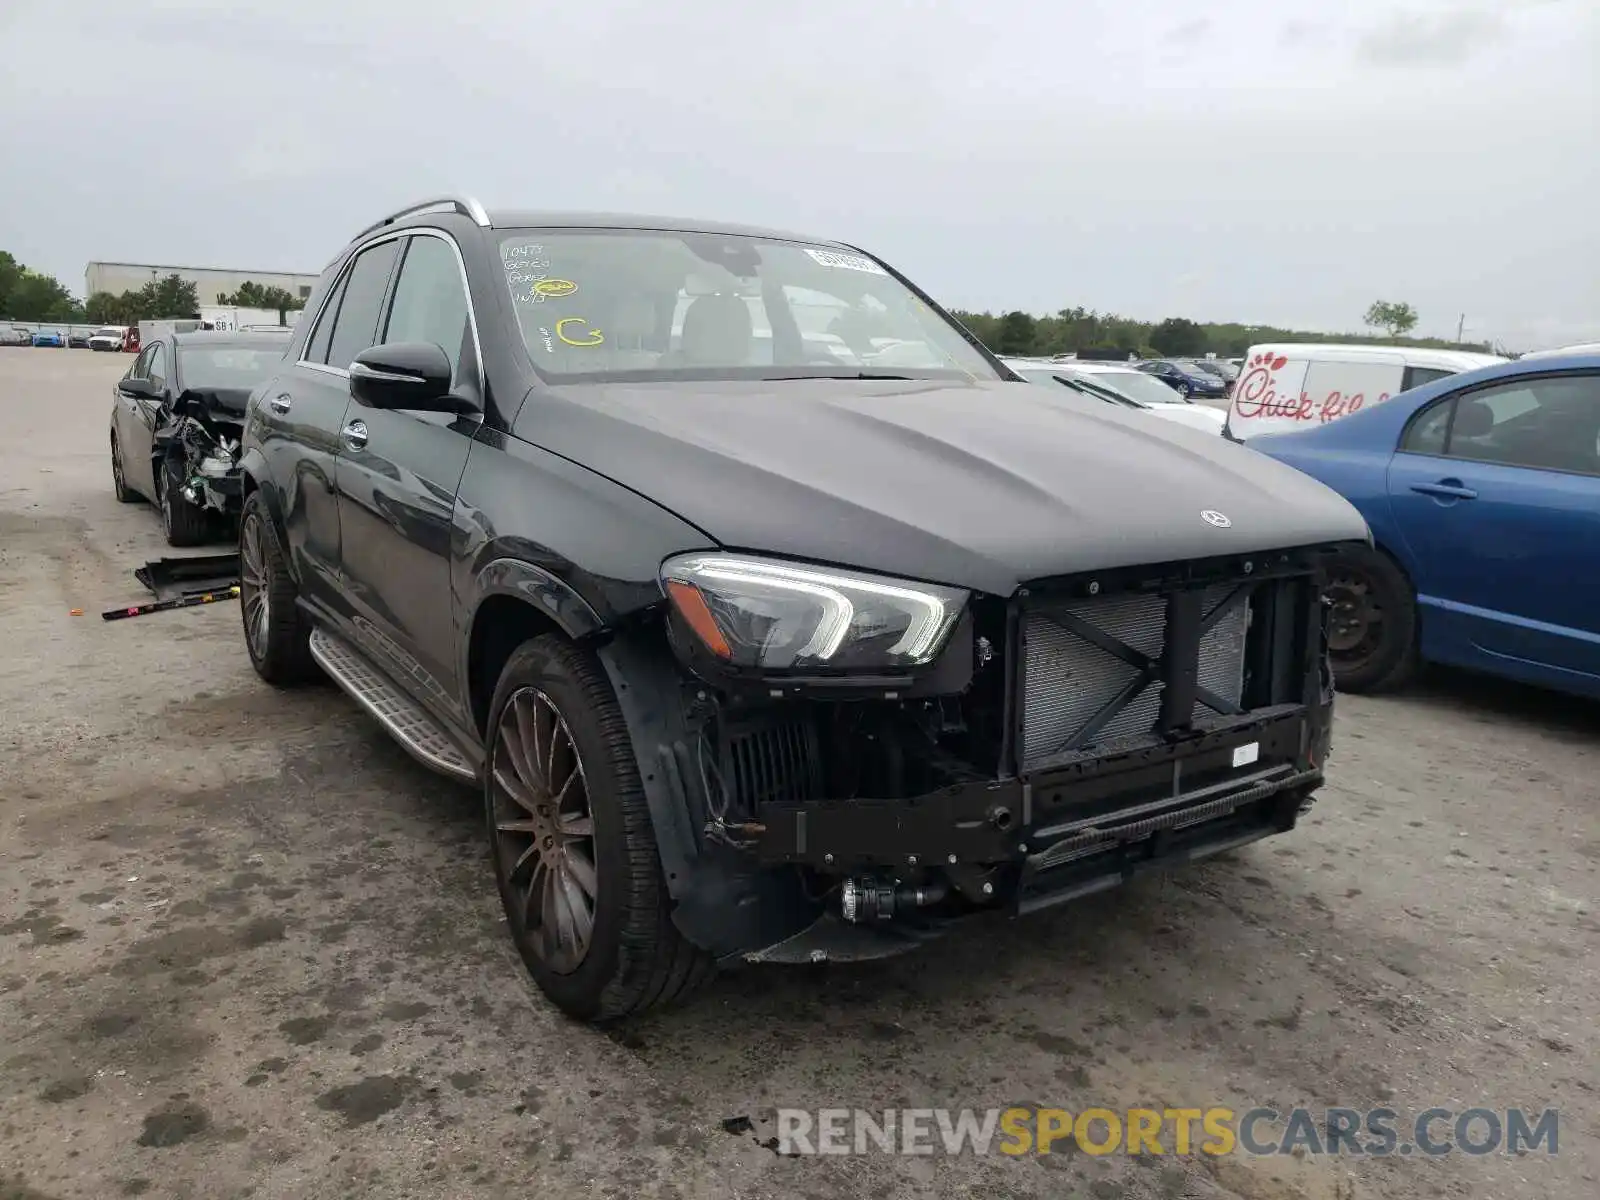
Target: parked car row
1120,386
104,337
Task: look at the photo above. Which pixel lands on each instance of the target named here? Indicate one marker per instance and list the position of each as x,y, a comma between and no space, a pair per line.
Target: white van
1294,385
1577,348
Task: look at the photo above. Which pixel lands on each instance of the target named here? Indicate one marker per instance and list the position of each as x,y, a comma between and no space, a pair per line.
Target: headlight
754,612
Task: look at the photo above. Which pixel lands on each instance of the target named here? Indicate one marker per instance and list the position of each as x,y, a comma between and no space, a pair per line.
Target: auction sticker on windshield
847,262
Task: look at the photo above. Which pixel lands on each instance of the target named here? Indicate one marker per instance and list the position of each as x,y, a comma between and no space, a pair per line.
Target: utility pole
1461,326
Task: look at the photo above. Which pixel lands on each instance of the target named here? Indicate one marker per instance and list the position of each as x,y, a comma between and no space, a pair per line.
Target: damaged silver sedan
176,421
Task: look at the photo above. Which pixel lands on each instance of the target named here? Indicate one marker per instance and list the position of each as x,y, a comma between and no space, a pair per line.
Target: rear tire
119,481
558,859
1373,643
277,634
185,523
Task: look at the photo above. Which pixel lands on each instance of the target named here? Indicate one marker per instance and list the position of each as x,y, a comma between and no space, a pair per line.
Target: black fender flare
542,590
722,901
253,471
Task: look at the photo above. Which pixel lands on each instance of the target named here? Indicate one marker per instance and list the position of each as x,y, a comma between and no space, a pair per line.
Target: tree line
36,297
1094,334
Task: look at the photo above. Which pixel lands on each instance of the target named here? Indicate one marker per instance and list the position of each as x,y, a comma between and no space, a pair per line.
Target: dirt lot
247,948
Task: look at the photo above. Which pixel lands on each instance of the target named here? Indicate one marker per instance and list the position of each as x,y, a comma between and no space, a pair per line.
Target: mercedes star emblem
1212,517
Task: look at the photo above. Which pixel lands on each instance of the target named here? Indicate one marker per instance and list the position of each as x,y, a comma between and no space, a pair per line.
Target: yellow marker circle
594,338
554,289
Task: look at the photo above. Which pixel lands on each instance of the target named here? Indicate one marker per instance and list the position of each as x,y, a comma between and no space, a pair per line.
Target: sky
1277,162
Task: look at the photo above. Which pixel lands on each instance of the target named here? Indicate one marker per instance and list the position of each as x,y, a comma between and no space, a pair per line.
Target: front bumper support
1243,774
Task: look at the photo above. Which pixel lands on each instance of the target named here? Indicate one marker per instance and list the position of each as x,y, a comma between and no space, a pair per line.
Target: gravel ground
247,948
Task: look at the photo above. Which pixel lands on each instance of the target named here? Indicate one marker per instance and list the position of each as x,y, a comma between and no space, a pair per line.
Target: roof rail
465,205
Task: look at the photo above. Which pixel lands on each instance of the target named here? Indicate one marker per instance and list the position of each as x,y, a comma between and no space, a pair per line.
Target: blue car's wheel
1372,636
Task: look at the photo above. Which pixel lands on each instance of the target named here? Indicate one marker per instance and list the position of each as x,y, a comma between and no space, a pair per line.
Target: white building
210,283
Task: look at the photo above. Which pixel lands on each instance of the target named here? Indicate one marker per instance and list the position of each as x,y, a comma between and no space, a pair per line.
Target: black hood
216,404
983,486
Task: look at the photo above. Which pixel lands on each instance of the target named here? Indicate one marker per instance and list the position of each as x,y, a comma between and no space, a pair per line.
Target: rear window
1417,376
208,368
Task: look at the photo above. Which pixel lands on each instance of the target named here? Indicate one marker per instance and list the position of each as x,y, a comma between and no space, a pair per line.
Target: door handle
279,404
1446,489
355,434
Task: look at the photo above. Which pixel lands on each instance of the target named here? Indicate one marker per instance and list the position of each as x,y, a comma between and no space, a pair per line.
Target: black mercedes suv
775,619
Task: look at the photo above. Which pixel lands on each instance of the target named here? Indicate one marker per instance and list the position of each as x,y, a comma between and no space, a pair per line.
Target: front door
398,472
136,422
307,404
1497,494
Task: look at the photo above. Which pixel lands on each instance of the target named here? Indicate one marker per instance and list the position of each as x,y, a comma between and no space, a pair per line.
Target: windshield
1136,385
211,368
656,305
108,331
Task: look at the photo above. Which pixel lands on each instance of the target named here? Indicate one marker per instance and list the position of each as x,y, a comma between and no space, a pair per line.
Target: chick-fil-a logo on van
1257,396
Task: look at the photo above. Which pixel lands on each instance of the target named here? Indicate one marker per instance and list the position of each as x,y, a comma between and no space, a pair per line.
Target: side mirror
137,389
414,375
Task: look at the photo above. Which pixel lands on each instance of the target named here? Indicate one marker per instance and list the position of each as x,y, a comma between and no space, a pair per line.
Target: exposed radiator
1066,679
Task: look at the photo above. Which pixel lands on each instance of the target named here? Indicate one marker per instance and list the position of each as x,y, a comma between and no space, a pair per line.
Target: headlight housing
769,615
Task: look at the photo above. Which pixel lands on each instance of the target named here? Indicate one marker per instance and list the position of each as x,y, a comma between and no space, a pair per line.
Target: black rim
1356,628
543,831
116,468
253,596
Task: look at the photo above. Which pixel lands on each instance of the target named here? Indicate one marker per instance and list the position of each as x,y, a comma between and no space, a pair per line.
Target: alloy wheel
254,594
543,830
116,468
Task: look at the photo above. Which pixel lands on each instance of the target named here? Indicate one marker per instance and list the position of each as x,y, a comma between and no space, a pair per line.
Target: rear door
397,475
303,413
1335,388
1496,491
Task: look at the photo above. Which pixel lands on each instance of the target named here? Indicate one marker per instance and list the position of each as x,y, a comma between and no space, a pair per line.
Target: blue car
49,337
1482,491
1186,379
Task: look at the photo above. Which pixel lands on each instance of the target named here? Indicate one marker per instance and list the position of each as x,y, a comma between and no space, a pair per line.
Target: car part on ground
190,575
140,610
765,643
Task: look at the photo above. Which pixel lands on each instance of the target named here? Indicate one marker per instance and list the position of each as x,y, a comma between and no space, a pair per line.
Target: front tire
184,523
572,842
1373,628
277,634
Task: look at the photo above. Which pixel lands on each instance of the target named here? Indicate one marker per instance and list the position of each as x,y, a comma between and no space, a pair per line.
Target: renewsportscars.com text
1379,1132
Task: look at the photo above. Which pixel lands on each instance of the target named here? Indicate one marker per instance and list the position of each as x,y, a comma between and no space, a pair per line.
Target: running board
402,717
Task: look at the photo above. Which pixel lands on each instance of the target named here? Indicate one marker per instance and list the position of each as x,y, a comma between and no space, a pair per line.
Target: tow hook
868,901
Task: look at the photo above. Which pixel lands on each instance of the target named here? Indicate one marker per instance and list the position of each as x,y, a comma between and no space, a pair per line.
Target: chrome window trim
390,236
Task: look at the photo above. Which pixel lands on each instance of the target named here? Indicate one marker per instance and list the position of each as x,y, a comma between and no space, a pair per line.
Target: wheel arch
253,478
515,601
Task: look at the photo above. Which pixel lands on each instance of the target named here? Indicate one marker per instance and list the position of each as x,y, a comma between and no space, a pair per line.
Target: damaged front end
200,443
1050,745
